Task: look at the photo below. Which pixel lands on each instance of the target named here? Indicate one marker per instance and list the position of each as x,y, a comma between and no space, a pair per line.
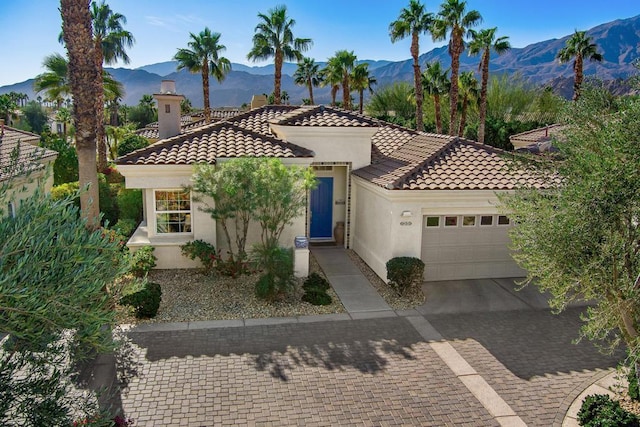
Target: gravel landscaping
188,295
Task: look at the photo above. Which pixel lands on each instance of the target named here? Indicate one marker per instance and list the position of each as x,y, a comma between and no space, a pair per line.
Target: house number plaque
406,223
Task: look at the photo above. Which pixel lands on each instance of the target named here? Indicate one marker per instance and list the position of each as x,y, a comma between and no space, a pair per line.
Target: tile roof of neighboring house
189,122
152,132
29,156
319,115
439,162
537,135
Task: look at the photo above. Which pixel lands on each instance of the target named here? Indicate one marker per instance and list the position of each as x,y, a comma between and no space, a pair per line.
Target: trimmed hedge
598,410
146,301
405,273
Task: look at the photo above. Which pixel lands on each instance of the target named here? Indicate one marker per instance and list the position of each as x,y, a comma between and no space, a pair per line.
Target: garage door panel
451,253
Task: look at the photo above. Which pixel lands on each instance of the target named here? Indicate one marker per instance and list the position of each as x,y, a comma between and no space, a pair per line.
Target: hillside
616,40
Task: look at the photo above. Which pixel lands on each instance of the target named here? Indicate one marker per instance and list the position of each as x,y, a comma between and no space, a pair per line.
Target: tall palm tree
345,61
435,82
331,76
361,80
308,74
85,83
485,41
274,38
204,57
55,80
454,19
110,43
468,87
579,48
413,21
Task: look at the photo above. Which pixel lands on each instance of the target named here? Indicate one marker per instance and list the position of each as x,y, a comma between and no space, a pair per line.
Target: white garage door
467,247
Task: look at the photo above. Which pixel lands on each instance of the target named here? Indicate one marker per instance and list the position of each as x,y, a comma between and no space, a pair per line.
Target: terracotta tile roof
151,131
388,139
257,120
537,135
29,156
320,115
222,139
439,162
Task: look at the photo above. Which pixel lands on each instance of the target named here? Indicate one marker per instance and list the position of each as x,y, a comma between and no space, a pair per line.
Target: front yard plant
599,410
204,251
405,273
315,290
145,301
142,261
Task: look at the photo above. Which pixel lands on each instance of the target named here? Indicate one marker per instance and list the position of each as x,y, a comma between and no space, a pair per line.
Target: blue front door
322,209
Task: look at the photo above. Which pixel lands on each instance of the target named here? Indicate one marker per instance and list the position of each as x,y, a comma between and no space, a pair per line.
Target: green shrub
634,390
108,195
405,273
129,204
142,261
202,250
131,142
125,227
316,281
65,167
66,190
598,410
277,263
146,301
316,296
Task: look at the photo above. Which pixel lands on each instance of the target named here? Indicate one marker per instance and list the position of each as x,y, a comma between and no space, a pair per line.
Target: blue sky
29,29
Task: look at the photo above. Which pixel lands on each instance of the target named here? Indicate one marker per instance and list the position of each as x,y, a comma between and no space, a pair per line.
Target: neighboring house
187,123
23,166
389,190
537,140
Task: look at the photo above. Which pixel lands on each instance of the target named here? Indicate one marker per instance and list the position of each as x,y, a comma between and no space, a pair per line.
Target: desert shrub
598,410
129,204
125,227
405,273
142,261
316,281
316,296
277,263
66,190
204,251
146,301
131,142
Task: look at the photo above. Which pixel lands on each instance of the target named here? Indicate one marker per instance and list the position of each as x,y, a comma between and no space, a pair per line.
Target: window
433,221
468,221
450,221
167,108
503,220
173,211
486,220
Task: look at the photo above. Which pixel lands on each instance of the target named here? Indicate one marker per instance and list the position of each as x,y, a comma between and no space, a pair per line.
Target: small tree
581,240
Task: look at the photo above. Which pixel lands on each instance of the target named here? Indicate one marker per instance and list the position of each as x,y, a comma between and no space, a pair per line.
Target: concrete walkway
355,291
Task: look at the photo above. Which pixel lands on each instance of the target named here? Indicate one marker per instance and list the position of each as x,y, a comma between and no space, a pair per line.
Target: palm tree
453,18
436,82
308,74
204,57
485,41
274,38
361,80
413,21
468,87
85,84
55,80
331,76
110,43
579,48
344,61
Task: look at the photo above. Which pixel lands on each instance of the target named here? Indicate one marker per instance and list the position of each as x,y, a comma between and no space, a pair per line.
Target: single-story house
390,191
23,166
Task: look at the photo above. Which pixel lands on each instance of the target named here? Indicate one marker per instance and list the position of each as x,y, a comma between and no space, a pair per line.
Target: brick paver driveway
357,372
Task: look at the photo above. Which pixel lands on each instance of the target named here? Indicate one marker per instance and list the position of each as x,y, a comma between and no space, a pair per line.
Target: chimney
258,101
168,109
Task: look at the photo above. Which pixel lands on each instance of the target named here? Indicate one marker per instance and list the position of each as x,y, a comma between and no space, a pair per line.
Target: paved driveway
377,371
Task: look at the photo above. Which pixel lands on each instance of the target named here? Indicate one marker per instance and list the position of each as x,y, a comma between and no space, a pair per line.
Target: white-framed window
433,221
503,220
172,211
486,220
450,221
469,221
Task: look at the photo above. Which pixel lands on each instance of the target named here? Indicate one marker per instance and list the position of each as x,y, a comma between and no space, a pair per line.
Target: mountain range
618,41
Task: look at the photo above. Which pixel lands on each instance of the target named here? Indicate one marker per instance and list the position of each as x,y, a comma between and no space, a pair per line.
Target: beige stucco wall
388,223
22,187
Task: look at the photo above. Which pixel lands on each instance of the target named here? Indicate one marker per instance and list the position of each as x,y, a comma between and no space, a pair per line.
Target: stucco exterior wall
23,187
